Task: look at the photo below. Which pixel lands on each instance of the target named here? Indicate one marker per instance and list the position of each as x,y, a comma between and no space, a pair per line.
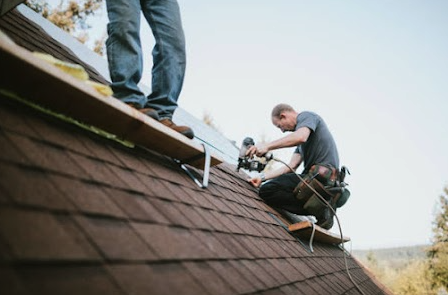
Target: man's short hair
280,108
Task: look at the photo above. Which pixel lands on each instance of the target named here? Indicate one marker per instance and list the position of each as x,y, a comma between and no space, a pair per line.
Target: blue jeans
124,52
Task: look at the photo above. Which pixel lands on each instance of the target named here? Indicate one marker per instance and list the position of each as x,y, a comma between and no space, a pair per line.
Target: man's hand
258,149
255,181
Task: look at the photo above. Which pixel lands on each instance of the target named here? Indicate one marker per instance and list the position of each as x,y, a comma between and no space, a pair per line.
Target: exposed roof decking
46,85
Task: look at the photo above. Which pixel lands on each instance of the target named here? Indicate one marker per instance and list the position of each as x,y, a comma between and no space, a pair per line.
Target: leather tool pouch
317,177
312,203
324,180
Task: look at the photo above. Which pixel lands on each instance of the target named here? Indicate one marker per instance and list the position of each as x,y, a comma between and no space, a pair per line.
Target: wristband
262,176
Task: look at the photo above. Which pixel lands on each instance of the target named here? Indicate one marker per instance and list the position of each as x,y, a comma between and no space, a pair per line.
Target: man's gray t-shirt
320,148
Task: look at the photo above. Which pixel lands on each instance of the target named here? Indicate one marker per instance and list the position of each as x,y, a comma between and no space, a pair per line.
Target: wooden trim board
46,85
304,230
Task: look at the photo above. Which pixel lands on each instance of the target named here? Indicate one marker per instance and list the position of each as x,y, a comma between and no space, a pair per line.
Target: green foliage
371,260
71,16
405,278
440,229
438,253
415,279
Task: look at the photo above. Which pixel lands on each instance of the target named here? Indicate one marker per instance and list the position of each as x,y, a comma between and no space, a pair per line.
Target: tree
438,253
71,17
413,280
371,260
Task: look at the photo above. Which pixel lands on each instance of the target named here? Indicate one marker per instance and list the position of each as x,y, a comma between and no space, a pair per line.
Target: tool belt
328,182
325,174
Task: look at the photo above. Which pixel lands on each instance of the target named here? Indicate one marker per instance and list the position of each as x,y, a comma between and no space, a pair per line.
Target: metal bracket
312,238
206,175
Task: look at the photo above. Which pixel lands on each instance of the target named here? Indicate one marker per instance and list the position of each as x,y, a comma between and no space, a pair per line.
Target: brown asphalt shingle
103,218
39,236
35,189
66,279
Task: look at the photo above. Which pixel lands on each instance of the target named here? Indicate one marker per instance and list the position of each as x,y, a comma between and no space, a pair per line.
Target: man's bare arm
297,137
294,139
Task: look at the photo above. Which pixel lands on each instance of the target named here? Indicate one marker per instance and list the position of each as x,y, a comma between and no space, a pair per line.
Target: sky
376,71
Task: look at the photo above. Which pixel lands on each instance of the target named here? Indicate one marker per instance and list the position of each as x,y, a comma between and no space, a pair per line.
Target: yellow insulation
76,71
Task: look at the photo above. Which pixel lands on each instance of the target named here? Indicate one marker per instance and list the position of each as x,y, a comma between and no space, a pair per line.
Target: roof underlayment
82,214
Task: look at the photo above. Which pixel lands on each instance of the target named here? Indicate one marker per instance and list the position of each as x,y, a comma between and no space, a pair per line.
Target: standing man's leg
169,55
169,60
124,51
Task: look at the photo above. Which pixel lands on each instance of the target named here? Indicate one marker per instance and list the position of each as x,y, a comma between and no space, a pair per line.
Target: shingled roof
82,214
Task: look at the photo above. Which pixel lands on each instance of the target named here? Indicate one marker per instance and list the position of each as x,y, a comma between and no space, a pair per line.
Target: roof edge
204,133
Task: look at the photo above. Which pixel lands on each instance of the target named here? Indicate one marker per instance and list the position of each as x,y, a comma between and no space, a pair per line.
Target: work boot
184,130
292,217
146,111
325,220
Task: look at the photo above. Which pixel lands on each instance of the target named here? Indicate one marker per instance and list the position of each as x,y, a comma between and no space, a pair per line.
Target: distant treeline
394,257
